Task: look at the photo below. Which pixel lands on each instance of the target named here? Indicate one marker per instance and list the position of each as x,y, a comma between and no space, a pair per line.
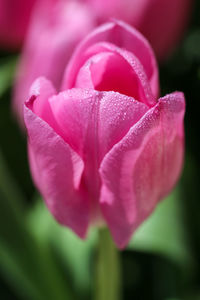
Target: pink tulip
56,27
106,149
161,21
14,21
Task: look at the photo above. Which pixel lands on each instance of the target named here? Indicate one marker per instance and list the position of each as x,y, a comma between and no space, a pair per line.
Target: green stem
108,279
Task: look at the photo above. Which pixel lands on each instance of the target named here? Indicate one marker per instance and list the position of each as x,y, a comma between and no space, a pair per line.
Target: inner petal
109,71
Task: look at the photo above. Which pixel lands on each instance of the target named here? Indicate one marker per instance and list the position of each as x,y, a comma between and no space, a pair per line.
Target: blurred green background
41,260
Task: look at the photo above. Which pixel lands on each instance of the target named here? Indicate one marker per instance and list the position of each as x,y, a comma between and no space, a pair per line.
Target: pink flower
161,21
56,27
106,149
14,21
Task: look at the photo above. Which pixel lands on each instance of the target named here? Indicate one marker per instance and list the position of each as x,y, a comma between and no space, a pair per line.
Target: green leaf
74,253
7,74
26,264
14,273
10,191
191,45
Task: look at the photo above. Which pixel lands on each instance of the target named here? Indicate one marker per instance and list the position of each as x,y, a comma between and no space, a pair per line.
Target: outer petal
41,90
117,114
142,167
123,36
57,172
91,123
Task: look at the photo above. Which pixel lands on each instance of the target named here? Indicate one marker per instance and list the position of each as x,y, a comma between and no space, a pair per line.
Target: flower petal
57,172
123,36
117,114
142,167
115,69
40,91
91,122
